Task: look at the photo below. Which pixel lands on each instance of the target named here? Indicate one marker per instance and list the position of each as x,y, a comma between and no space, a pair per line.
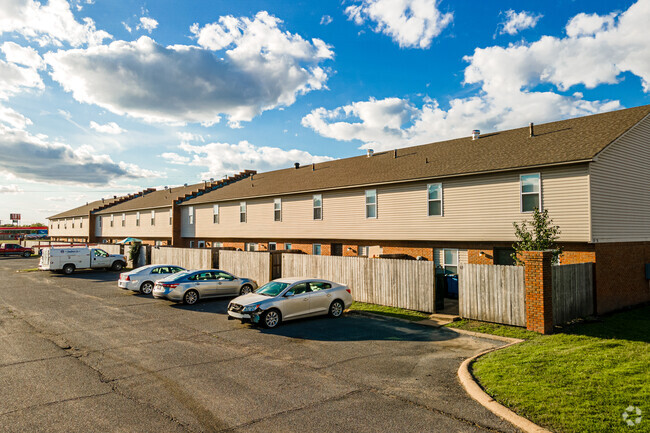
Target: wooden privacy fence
395,283
573,292
492,293
188,258
248,264
115,249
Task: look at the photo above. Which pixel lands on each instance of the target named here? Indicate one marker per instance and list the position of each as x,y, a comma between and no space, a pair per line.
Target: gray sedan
291,298
190,286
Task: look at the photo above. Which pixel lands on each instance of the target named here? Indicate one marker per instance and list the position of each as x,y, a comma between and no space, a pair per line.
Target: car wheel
146,288
68,269
27,254
271,319
246,289
191,296
117,266
336,309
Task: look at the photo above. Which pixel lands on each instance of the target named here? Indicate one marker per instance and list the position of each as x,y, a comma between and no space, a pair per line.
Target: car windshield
274,288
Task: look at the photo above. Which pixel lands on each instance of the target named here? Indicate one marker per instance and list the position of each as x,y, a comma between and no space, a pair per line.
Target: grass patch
579,380
493,329
389,311
28,270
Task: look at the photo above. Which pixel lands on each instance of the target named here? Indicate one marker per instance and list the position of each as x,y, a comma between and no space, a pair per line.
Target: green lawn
389,311
579,380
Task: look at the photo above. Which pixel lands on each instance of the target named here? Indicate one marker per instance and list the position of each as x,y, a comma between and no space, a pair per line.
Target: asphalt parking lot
80,354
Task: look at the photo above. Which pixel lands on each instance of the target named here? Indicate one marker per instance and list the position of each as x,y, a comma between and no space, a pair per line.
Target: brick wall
620,275
474,256
538,287
411,251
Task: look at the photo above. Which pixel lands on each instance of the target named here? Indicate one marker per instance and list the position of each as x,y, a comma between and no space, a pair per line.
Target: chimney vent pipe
370,152
532,131
475,134
297,165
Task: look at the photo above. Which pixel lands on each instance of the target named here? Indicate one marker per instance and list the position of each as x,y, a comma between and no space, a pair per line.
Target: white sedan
143,279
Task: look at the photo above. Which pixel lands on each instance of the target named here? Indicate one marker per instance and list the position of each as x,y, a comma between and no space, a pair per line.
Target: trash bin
441,291
451,281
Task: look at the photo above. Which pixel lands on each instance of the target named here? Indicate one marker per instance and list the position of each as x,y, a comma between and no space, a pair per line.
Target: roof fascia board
107,211
419,179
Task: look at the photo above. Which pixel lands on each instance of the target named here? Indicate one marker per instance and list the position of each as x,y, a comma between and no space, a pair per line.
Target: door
337,249
503,256
321,297
226,284
205,283
298,304
99,259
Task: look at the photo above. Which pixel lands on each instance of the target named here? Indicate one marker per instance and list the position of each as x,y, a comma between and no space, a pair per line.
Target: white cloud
49,23
148,24
127,27
258,67
26,56
35,158
12,118
175,158
108,128
410,23
10,189
325,20
596,51
55,198
226,158
517,21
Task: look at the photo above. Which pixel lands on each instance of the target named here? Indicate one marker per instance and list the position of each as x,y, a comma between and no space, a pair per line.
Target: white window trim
444,263
274,244
521,193
190,215
137,219
153,217
171,216
191,244
201,244
375,204
215,214
123,219
314,207
245,213
289,244
277,200
313,249
442,200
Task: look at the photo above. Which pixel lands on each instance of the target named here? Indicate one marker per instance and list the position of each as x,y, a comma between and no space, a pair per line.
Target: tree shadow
631,325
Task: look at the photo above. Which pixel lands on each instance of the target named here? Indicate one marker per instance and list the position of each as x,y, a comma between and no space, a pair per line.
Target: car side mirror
289,294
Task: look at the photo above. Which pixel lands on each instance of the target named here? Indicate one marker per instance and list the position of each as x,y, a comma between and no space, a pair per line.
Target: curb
476,392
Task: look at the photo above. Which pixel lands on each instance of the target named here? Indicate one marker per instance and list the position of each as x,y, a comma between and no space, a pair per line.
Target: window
363,251
435,199
201,244
171,215
318,206
277,209
81,223
137,219
99,222
250,246
315,286
190,215
191,244
58,224
530,192
158,243
72,222
371,203
215,214
450,261
224,276
65,224
316,249
153,217
112,217
242,212
272,246
287,246
217,244
123,219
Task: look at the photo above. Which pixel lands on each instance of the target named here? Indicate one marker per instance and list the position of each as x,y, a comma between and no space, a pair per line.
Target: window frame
320,249
137,219
277,209
444,260
522,193
314,207
275,246
171,216
441,200
287,245
123,219
376,207
215,214
250,246
190,215
243,216
153,217
112,219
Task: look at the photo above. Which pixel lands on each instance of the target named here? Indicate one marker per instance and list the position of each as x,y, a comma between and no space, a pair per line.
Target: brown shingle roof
559,142
156,199
84,210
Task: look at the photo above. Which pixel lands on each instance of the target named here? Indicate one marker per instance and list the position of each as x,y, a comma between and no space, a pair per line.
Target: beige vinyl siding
162,228
80,227
620,188
476,208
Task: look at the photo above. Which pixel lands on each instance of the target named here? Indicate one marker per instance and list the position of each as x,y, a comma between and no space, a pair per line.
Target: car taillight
127,278
348,290
170,286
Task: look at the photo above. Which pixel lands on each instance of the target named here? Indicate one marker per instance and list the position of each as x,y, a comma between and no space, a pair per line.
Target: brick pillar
538,286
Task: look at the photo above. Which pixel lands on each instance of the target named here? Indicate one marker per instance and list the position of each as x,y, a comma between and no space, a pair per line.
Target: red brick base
538,286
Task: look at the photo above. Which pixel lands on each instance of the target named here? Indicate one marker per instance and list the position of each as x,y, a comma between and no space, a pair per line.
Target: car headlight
250,308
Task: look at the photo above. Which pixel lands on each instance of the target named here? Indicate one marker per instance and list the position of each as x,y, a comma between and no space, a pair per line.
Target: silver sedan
291,298
143,279
190,286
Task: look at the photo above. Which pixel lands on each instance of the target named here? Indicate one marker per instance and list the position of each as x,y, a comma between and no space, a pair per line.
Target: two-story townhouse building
154,217
74,225
455,201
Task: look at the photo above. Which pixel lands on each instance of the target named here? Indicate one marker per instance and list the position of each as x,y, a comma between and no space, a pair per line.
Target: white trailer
69,259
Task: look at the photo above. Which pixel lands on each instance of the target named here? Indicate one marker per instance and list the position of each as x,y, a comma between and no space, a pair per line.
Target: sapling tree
539,234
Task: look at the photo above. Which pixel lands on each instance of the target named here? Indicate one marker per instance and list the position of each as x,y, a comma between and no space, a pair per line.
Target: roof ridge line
211,186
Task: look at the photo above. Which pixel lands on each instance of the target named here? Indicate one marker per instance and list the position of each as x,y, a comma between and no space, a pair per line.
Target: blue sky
99,97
